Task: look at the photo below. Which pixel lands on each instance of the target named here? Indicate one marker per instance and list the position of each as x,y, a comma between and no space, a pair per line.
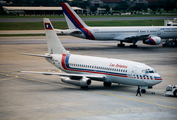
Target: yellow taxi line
6,79
134,99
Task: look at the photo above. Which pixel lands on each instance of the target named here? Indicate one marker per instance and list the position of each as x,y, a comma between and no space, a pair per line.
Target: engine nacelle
83,82
154,40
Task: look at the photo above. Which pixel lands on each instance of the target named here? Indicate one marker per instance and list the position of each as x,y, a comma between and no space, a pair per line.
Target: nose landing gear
143,91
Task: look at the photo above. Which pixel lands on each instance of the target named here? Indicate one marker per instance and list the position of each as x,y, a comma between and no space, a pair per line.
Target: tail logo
48,26
76,22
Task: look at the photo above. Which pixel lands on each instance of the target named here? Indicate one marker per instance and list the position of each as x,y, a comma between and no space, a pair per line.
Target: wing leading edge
92,77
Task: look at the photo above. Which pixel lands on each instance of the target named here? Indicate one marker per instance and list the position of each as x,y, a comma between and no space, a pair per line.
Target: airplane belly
126,80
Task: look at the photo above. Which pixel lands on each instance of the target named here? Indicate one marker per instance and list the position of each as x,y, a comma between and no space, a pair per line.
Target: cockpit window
150,71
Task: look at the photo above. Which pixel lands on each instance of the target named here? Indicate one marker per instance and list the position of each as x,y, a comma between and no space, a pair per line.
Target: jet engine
82,82
154,40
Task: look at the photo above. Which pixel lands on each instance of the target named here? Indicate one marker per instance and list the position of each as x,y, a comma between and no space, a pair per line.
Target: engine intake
154,40
83,82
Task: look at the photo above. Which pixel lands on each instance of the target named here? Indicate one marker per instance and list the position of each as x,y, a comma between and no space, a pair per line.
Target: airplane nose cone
158,79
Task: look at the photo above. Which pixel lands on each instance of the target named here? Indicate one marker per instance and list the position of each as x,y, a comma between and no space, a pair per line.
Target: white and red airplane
80,70
151,35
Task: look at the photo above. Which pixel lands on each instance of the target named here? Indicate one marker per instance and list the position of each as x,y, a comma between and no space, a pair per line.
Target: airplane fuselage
150,35
115,70
119,33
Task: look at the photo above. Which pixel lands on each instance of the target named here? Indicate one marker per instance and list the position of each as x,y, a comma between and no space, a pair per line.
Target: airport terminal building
41,11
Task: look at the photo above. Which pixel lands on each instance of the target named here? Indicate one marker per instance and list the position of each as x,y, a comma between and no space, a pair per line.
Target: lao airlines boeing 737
80,70
151,35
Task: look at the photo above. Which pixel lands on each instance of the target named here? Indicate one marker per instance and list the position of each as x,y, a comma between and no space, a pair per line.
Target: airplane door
134,71
158,32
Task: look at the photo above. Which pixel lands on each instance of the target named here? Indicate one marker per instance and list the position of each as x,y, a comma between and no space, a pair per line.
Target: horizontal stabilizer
46,56
69,31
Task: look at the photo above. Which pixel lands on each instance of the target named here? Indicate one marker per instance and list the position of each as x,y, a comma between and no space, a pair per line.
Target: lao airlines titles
117,65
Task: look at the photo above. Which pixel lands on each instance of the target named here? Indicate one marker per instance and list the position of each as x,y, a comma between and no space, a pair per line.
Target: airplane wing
130,37
93,77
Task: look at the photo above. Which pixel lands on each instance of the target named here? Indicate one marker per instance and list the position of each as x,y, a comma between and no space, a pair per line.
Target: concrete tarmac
35,96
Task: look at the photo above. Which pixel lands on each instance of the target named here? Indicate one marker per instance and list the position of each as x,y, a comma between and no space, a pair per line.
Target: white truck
171,90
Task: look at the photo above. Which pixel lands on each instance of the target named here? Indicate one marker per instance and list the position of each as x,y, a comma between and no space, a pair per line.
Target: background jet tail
72,19
53,43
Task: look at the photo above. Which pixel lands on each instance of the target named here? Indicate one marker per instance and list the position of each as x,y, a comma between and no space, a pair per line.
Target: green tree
107,7
153,6
93,9
139,7
170,5
122,6
2,12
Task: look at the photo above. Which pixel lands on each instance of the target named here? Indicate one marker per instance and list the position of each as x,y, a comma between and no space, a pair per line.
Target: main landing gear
131,46
107,84
121,44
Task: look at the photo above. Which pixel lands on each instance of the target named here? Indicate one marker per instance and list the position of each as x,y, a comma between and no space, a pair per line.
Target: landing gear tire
143,91
107,84
84,87
133,46
120,45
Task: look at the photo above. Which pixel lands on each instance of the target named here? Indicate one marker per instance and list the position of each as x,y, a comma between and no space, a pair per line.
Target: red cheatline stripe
158,78
63,61
64,66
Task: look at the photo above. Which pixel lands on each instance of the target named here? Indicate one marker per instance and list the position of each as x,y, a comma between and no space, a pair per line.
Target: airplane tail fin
53,43
72,19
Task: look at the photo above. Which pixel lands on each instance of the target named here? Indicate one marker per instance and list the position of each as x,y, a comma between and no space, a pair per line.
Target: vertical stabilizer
74,21
53,43
69,23
72,17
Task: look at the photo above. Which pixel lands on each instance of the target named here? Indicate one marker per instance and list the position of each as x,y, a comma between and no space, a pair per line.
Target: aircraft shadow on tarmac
145,48
120,89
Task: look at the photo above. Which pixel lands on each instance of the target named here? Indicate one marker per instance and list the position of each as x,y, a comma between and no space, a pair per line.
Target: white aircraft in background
151,35
80,70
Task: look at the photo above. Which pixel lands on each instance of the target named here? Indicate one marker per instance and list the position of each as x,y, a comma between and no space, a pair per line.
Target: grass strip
89,16
63,25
